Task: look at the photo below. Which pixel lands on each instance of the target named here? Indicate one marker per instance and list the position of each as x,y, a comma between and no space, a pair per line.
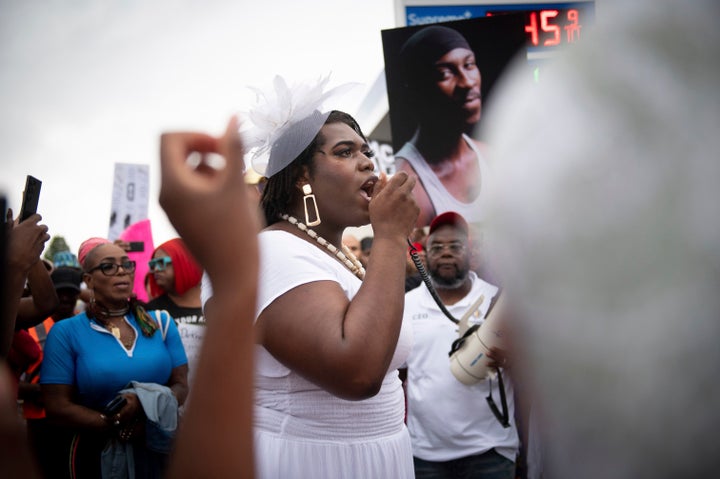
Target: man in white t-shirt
453,430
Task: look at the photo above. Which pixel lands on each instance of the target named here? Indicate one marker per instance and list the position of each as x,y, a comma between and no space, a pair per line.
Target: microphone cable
428,282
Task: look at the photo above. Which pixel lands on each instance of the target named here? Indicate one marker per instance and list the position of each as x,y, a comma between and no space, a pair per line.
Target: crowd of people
321,343
333,352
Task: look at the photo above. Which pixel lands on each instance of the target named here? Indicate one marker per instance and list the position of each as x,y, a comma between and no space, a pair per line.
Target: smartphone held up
31,197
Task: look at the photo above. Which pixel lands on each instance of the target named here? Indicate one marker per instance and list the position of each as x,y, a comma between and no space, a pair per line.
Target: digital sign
547,24
551,27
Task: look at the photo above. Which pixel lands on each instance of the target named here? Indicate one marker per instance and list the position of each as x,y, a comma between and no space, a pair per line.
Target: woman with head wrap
175,286
442,82
114,348
328,400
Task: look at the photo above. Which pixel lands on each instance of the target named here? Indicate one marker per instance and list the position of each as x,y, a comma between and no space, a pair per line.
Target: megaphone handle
463,324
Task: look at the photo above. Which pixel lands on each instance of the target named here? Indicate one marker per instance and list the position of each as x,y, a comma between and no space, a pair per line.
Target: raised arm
345,346
43,298
26,241
210,210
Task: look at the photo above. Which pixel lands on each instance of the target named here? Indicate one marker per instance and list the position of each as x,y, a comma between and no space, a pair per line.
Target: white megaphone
468,360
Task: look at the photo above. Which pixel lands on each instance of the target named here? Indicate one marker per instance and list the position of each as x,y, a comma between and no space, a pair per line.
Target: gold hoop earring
309,197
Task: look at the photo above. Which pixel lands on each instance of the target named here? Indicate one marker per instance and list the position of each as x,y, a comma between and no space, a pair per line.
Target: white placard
129,197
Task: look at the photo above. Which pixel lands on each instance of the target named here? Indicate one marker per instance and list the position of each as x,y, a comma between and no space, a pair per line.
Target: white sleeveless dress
302,431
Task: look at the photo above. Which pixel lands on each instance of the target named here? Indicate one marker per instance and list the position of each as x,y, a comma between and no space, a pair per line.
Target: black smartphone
31,196
136,246
114,406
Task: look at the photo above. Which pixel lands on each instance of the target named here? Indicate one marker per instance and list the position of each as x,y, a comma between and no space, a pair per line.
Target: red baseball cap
450,218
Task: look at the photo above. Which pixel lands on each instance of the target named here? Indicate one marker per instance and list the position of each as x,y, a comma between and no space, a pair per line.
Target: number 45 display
552,22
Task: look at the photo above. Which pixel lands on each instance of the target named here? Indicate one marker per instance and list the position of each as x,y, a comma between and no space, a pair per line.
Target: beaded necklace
345,255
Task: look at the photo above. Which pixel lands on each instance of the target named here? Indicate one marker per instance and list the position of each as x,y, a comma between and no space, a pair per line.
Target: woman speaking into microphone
328,399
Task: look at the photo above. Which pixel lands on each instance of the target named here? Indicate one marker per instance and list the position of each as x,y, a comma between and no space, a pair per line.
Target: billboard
435,100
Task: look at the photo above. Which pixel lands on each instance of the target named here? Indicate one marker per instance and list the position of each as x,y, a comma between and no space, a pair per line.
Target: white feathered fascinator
284,122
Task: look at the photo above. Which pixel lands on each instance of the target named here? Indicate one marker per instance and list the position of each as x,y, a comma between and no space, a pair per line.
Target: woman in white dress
328,400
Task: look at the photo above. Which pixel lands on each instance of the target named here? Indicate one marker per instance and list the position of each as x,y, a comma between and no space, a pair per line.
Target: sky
87,84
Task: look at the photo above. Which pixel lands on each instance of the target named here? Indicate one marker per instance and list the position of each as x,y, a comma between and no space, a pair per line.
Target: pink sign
140,232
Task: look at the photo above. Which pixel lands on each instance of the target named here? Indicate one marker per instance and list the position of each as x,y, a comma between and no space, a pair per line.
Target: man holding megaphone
454,430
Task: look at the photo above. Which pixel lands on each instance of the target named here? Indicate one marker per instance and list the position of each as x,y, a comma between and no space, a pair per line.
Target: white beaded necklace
345,256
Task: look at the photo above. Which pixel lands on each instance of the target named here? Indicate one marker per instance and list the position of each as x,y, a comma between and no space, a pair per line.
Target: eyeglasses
437,249
111,269
159,264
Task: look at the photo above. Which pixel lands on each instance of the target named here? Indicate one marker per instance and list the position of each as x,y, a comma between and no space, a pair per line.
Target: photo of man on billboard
438,77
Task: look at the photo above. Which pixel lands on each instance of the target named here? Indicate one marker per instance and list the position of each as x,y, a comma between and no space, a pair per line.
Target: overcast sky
86,84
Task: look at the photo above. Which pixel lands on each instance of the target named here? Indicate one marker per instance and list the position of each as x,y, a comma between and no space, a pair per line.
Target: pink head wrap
89,245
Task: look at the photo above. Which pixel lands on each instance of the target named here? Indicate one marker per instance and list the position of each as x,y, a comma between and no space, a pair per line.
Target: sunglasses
159,264
111,269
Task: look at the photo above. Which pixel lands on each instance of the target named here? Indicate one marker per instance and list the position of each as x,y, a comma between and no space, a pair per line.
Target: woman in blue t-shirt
113,348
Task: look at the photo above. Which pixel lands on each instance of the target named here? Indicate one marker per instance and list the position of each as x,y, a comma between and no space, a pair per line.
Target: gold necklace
115,331
345,256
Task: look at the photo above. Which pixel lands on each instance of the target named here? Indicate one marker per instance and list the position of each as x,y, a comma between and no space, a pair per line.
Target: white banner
129,197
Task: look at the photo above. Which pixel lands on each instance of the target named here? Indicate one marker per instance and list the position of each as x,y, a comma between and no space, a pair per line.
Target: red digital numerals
550,26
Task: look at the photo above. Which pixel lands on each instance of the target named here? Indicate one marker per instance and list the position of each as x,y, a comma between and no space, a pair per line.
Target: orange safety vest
39,333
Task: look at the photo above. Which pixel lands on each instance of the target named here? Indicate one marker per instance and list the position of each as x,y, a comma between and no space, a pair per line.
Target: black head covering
426,46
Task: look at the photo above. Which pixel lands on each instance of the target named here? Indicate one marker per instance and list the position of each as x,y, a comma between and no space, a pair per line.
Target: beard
447,280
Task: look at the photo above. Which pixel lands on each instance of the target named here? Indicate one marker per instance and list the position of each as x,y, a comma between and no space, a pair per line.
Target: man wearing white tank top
442,75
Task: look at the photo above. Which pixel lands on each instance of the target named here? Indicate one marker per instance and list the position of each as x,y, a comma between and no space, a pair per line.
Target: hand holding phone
131,246
31,196
136,246
114,406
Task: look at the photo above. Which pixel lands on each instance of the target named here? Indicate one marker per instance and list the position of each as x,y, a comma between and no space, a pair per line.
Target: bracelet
104,418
